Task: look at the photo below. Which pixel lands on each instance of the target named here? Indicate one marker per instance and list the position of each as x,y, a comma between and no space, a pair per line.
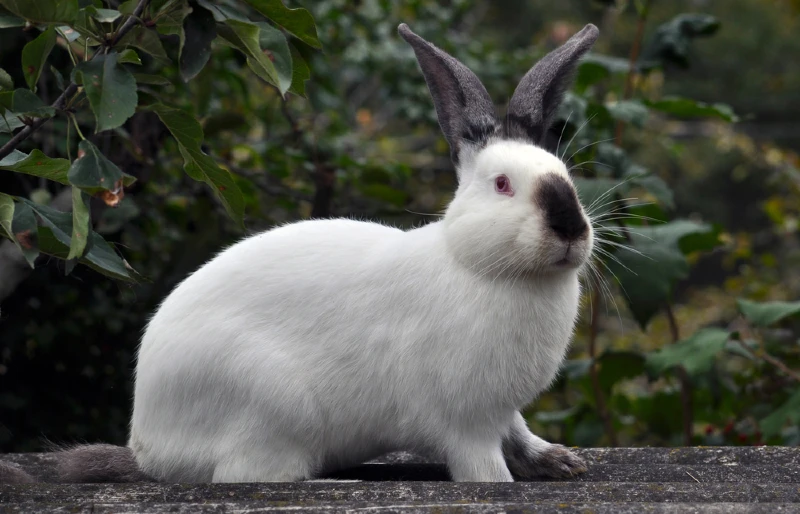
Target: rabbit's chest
509,352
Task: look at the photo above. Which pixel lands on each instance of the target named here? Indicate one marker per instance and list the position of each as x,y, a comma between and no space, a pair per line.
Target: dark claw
555,462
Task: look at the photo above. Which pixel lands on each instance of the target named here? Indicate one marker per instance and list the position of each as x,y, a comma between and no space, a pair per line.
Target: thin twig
132,20
61,101
771,359
634,56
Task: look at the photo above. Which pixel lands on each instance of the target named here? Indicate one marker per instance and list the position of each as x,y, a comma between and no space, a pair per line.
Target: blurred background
683,127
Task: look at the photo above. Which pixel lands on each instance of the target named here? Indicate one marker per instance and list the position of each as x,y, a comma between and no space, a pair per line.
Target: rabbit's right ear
465,111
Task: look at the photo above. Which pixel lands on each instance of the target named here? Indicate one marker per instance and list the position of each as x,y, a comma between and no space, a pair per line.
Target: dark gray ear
539,93
465,111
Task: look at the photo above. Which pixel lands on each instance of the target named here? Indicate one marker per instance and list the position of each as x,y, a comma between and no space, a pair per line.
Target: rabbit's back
245,330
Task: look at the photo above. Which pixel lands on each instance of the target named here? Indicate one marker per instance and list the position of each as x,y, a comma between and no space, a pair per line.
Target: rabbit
322,344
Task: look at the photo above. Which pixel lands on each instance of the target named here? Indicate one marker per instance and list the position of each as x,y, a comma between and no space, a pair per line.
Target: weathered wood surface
660,480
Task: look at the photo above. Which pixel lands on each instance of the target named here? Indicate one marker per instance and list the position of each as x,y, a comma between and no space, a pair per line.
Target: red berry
742,438
709,429
728,427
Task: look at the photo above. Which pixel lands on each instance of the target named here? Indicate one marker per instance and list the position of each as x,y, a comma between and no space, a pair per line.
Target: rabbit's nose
569,228
562,212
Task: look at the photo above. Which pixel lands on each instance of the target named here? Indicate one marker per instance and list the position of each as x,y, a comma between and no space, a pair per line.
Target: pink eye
503,186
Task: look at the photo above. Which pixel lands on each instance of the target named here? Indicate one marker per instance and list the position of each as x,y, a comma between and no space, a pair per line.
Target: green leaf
649,269
23,225
68,33
129,6
103,259
170,22
60,223
8,20
86,26
223,12
629,111
103,15
700,241
34,56
672,40
94,173
199,30
129,55
153,80
44,11
688,108
246,38
300,72
789,411
696,353
188,133
59,78
298,22
6,215
656,186
25,103
147,41
765,314
111,90
54,238
613,65
36,164
618,365
9,122
595,67
6,82
273,43
80,224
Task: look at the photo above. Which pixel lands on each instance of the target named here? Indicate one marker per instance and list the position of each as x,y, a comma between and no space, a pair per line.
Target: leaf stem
77,128
61,101
69,152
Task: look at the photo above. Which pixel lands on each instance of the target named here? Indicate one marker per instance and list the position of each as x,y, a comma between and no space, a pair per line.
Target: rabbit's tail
11,474
84,463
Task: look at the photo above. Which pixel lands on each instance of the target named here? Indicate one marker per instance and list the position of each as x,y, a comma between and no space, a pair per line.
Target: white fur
323,344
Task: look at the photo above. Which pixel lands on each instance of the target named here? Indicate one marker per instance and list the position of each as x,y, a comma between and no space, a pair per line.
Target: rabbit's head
516,209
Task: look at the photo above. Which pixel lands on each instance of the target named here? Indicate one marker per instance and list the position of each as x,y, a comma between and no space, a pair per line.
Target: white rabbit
322,344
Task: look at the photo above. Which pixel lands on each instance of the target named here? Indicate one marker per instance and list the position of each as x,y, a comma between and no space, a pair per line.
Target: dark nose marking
562,212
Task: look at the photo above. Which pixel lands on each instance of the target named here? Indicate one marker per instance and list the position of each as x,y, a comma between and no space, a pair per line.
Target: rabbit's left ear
538,95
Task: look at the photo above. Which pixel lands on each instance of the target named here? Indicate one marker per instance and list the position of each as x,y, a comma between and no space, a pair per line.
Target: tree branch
61,101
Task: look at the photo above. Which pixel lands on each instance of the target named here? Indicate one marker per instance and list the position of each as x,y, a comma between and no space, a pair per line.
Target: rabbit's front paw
555,461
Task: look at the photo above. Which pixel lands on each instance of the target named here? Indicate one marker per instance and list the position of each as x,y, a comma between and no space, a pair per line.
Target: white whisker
562,131
566,149
587,146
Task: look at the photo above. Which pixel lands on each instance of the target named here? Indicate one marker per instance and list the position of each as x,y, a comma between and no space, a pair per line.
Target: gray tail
84,463
11,474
